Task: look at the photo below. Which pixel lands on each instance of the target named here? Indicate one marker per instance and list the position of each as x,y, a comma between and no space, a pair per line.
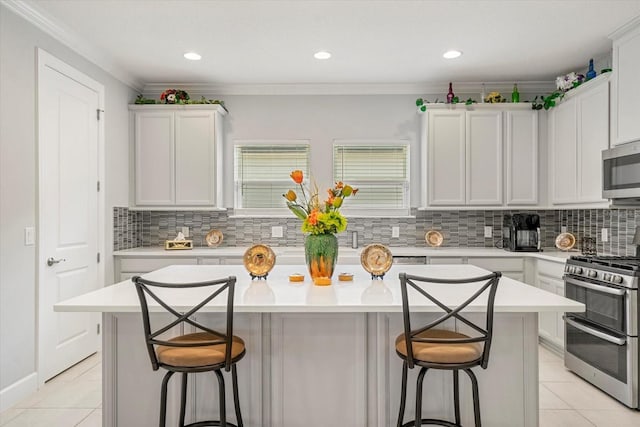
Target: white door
68,133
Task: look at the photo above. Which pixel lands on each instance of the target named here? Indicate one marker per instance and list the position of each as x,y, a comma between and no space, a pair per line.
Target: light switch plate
29,236
563,229
395,231
488,231
276,231
185,231
604,235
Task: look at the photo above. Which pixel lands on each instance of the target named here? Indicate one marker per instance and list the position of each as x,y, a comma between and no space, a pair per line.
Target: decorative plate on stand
259,260
376,259
565,241
434,238
214,238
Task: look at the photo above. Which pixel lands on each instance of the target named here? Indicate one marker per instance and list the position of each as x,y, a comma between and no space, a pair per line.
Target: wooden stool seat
445,353
202,355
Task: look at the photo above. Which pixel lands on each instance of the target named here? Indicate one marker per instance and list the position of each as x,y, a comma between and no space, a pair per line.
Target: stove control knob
607,277
616,279
593,274
578,270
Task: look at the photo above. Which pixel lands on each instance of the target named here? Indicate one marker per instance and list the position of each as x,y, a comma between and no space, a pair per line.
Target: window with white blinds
380,172
262,172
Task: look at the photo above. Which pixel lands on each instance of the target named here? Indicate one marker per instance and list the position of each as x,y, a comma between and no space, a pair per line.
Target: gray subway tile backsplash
460,228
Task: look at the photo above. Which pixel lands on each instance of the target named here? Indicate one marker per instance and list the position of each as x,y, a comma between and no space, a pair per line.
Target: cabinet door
446,158
154,158
195,158
562,153
626,68
521,157
547,321
593,137
484,158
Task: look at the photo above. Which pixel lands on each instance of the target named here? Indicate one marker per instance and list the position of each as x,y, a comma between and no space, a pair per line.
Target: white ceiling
390,42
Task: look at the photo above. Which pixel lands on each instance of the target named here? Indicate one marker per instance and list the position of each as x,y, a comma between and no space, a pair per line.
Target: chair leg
223,408
418,420
456,396
403,393
476,399
163,399
183,398
236,399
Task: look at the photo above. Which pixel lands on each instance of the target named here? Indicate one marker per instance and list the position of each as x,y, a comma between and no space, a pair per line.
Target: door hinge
98,186
98,257
98,329
98,111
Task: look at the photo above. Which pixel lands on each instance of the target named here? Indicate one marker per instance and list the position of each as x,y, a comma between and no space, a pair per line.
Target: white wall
320,119
18,187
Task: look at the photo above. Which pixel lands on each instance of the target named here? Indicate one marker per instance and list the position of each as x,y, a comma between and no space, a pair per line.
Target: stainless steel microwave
621,173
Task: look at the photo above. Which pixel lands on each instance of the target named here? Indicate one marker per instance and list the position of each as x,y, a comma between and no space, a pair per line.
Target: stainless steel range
601,344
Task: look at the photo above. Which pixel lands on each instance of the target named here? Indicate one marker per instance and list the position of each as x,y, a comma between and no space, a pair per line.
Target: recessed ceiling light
451,54
322,55
192,56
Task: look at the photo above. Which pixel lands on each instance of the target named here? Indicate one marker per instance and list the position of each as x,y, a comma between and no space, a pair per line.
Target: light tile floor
566,400
73,398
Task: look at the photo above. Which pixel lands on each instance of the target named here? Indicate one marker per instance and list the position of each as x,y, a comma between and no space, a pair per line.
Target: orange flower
291,196
313,217
297,176
339,184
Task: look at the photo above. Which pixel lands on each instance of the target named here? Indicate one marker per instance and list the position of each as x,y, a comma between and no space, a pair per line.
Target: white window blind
380,172
262,173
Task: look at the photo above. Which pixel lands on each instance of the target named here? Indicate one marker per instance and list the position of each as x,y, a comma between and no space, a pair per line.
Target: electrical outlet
395,231
488,231
604,235
276,231
185,231
563,229
29,236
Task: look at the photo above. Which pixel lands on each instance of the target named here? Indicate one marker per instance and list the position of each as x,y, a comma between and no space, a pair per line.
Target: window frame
380,212
264,212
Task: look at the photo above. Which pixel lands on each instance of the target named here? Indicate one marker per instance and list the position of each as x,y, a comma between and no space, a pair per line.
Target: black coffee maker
521,232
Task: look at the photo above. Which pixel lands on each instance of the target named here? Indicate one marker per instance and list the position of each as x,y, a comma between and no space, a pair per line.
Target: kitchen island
322,356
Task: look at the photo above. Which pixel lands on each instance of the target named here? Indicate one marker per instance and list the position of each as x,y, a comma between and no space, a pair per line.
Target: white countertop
278,295
229,251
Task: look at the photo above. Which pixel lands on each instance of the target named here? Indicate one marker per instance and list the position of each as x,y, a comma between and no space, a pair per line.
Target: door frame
45,60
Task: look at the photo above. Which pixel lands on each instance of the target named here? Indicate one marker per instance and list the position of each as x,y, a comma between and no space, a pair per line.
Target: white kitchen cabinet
578,132
551,325
470,154
484,158
446,168
521,157
625,126
176,155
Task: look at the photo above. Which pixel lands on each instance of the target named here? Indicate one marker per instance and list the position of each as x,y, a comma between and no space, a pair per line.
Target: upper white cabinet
177,151
625,85
578,132
471,153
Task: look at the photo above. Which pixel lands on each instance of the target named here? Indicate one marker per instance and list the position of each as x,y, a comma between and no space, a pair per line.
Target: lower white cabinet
551,325
322,369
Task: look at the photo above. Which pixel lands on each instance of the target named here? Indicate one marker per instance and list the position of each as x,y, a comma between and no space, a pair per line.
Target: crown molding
155,89
32,14
625,28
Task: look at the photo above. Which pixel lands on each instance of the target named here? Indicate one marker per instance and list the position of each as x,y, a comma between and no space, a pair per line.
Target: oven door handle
591,331
603,289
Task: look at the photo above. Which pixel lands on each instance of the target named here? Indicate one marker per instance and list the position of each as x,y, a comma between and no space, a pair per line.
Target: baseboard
17,391
552,347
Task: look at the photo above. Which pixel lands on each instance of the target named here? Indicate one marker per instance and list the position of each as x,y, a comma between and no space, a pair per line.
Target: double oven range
601,344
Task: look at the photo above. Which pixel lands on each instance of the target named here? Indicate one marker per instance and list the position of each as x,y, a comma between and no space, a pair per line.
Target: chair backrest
489,283
145,288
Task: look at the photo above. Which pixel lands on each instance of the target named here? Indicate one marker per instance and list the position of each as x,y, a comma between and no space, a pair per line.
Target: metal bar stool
432,348
202,351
